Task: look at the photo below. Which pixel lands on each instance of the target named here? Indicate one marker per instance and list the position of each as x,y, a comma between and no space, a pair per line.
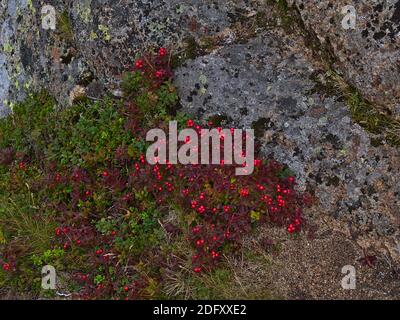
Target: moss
323,85
191,51
192,48
260,126
65,27
218,119
261,20
208,43
287,19
375,120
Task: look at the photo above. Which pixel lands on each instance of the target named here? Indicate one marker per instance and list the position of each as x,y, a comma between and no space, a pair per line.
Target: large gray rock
369,54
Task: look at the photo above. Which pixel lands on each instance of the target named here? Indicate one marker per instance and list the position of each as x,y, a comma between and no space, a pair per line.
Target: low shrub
76,192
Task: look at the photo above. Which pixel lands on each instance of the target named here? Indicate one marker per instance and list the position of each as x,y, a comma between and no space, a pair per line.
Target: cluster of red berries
222,201
155,67
295,226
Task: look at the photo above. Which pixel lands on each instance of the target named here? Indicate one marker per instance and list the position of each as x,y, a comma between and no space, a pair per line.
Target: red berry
193,204
291,228
78,242
99,251
6,267
58,231
126,288
66,246
139,64
159,74
197,269
199,243
196,229
201,209
162,52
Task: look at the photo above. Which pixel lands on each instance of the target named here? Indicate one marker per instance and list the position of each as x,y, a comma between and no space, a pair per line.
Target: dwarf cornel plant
76,192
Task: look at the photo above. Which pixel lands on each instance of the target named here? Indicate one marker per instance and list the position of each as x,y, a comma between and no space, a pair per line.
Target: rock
95,41
369,54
